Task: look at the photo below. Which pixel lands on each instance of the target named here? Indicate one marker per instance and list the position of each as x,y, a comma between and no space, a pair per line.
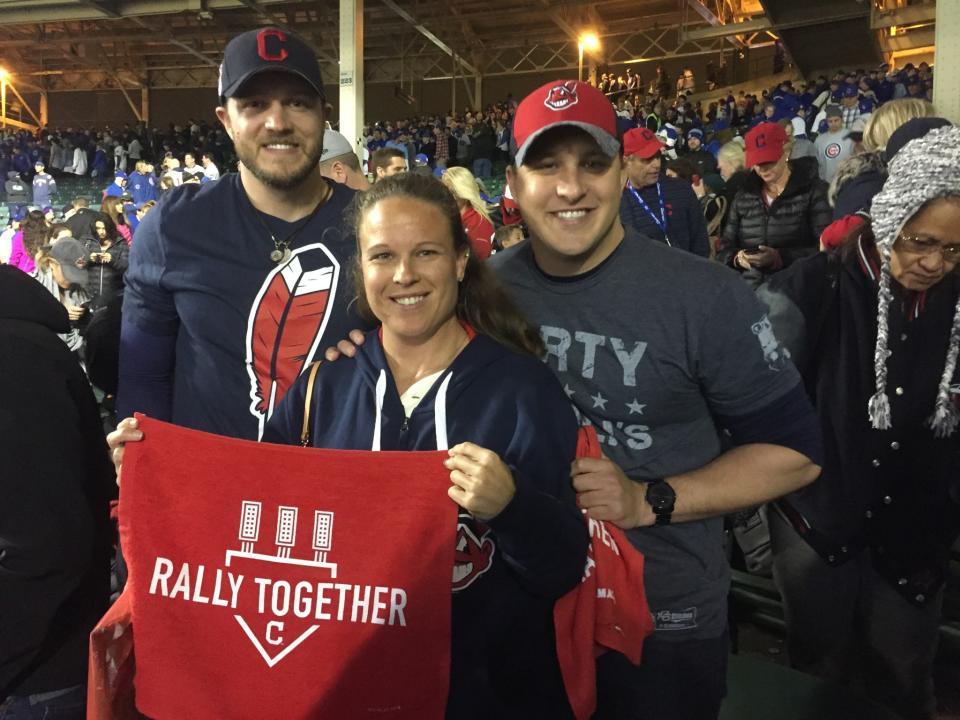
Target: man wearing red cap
660,207
660,351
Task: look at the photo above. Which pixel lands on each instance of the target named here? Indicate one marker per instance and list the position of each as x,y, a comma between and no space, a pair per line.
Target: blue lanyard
660,222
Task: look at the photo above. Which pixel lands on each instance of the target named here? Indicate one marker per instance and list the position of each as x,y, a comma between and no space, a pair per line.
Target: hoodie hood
869,166
23,298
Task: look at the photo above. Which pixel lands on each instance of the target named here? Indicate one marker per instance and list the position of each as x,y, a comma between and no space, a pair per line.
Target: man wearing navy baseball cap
660,351
849,104
201,345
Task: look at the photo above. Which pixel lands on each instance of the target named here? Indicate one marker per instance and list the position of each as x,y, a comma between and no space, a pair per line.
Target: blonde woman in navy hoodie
455,366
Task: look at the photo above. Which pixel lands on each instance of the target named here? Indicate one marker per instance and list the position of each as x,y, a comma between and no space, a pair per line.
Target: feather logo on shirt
286,323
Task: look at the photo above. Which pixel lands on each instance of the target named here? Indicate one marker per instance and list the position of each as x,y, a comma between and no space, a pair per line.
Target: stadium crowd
805,363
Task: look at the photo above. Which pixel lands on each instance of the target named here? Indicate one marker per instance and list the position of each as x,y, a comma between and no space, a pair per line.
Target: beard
290,176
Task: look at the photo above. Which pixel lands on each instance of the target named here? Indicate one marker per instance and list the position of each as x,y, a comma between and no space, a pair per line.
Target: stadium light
586,41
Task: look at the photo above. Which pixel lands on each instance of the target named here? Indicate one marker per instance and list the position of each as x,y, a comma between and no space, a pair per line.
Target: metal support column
44,110
946,79
478,92
145,106
351,73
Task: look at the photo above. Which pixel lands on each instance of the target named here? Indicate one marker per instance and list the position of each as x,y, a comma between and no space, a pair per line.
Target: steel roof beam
420,28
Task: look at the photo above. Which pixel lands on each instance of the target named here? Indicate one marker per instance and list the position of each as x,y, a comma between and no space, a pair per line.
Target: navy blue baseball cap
849,91
263,50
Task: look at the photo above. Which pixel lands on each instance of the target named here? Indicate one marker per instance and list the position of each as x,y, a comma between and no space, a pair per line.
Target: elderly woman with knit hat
860,556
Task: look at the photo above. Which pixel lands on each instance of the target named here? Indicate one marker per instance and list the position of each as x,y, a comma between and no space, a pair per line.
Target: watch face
661,496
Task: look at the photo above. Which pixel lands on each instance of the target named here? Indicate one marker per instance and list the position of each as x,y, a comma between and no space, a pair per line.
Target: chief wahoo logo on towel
286,323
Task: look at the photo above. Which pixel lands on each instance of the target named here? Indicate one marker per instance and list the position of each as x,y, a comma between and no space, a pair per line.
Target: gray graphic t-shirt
650,348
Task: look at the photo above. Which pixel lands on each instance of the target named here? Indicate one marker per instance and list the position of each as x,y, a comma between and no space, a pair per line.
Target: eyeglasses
927,247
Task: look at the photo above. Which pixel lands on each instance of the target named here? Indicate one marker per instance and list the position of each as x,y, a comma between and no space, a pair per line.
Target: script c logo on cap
760,141
262,50
560,97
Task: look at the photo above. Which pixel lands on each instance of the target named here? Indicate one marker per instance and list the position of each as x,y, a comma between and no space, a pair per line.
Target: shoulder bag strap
307,404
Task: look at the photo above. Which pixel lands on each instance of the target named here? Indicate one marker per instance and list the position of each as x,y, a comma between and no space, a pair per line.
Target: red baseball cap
764,144
565,102
641,142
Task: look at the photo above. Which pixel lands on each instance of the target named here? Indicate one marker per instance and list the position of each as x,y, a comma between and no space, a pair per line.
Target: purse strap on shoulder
307,404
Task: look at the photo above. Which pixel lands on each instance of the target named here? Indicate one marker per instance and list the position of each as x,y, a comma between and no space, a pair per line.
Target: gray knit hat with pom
925,169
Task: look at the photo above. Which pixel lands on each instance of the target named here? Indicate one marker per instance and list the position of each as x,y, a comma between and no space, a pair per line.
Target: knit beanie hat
927,168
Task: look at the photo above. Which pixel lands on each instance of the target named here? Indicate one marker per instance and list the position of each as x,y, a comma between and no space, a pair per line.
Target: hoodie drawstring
381,391
439,412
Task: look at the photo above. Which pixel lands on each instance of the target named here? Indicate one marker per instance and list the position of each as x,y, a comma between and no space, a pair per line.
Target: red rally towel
110,674
607,611
272,581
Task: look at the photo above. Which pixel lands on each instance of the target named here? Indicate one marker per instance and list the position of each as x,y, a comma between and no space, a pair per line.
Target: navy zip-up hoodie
509,571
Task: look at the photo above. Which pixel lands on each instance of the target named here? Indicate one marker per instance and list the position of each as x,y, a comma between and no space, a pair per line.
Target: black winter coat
482,142
703,161
791,224
893,493
105,279
82,223
56,481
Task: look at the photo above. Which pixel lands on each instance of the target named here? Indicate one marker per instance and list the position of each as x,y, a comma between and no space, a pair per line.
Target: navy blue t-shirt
244,327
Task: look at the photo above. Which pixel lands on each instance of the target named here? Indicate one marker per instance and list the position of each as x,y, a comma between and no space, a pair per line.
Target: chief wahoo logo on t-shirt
286,323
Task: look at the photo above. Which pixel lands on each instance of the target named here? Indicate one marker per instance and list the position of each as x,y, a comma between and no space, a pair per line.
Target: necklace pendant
281,257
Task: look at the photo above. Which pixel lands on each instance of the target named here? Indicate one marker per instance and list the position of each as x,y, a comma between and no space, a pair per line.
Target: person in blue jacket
118,187
142,183
454,366
137,183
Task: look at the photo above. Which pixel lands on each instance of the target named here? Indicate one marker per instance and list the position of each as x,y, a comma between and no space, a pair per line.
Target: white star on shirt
568,390
599,401
635,407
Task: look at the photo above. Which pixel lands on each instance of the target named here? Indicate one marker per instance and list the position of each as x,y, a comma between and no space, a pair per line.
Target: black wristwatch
661,497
